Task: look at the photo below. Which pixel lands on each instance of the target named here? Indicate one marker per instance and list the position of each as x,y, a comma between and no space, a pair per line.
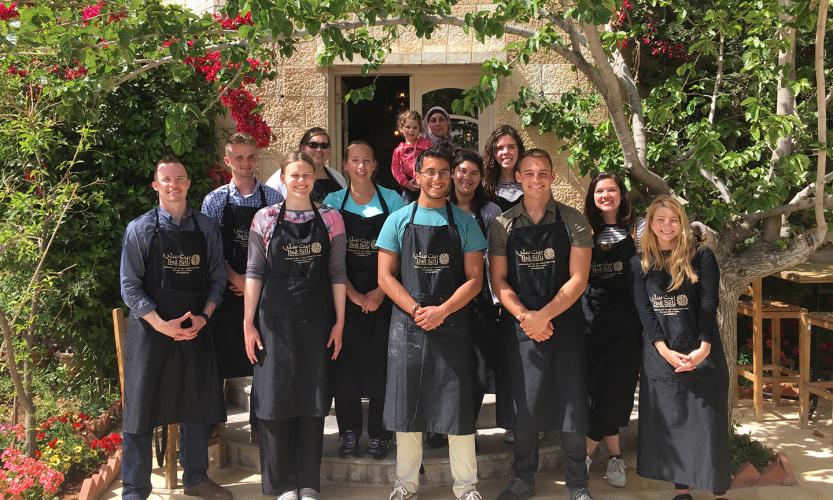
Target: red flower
74,74
10,12
40,435
91,11
83,416
52,443
232,24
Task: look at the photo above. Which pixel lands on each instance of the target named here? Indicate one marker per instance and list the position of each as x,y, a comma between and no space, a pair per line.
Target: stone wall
299,97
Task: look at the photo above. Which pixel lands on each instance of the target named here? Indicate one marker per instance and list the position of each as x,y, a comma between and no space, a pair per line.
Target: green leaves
180,126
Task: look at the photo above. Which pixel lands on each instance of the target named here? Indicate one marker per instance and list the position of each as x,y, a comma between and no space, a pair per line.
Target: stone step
238,390
494,458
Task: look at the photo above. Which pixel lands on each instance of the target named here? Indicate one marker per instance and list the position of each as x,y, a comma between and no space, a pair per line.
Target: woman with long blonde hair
683,413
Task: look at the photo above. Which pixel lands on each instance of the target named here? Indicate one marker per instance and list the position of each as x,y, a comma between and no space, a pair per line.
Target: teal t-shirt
390,237
391,197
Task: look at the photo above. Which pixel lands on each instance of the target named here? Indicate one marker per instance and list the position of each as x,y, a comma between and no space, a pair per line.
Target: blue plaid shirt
215,201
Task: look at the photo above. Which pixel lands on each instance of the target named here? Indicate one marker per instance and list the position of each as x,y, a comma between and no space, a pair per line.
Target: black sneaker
436,440
378,448
349,445
517,489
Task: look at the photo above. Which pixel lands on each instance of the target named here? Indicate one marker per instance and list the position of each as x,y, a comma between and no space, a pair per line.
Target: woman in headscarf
437,127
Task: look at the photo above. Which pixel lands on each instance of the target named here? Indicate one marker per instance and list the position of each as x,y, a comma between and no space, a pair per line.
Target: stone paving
810,452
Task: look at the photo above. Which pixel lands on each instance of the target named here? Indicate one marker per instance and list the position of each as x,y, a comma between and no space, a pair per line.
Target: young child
405,155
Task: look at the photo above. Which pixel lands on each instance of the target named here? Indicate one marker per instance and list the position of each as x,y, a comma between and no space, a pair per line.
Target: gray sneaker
401,493
308,494
580,494
471,495
616,472
288,495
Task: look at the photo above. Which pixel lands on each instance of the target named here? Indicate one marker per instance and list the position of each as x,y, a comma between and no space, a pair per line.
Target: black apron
484,316
168,381
545,385
361,366
429,383
614,340
322,187
295,316
683,417
227,320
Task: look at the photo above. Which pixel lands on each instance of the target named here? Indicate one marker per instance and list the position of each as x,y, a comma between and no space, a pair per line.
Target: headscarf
443,142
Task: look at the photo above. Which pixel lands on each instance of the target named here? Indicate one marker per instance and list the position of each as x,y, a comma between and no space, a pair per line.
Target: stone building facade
304,95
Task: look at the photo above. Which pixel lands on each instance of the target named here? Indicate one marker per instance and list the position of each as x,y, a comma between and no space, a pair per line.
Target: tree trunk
727,321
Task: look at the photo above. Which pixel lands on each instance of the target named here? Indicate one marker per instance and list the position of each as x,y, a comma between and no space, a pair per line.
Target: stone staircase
494,458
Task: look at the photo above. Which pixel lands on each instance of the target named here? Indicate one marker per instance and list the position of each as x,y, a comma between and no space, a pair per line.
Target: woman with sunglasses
315,143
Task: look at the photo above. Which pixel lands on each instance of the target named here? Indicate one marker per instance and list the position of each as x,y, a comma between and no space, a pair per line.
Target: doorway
374,121
399,88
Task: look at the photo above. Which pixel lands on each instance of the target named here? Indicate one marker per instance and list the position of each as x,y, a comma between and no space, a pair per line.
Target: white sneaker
616,472
308,494
471,495
288,495
401,493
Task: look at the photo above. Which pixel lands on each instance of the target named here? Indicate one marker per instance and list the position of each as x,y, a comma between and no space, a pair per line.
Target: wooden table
808,273
816,274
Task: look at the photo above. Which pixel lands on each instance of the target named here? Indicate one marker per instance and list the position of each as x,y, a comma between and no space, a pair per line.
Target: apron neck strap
447,211
381,199
316,217
263,203
156,222
382,202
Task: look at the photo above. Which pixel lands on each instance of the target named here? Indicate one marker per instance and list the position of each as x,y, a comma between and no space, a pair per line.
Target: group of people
472,279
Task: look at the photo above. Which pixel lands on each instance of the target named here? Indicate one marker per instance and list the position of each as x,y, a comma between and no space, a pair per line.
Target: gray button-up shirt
134,254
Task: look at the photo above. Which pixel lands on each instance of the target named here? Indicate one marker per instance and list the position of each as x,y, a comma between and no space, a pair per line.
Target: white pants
460,453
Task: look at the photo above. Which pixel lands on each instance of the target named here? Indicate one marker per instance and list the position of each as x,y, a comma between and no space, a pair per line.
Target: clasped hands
429,317
173,328
683,362
536,325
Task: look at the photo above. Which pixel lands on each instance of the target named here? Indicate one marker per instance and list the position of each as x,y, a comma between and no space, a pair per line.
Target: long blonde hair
678,262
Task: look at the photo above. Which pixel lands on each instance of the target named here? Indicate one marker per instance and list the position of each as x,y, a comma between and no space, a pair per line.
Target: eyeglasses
431,173
318,145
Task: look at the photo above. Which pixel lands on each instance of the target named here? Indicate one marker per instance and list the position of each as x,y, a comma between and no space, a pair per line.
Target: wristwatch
414,308
204,316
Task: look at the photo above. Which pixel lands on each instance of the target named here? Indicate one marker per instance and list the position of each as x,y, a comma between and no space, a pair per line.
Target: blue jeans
137,459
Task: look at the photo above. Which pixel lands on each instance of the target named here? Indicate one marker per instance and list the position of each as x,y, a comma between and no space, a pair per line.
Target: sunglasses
318,145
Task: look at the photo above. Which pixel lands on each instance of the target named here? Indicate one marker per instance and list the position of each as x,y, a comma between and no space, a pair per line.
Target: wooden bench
171,459
759,309
822,389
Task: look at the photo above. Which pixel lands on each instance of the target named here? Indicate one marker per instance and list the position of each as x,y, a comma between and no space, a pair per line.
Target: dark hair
431,153
491,175
168,159
480,199
534,153
624,216
310,133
